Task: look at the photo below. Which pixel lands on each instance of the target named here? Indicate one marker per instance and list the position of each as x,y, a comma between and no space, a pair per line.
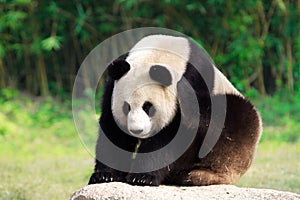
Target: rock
116,190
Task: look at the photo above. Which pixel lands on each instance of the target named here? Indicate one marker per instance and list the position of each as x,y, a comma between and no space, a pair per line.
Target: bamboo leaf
281,5
51,43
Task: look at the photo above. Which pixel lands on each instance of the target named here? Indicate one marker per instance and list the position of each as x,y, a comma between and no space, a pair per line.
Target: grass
43,178
45,167
42,157
276,166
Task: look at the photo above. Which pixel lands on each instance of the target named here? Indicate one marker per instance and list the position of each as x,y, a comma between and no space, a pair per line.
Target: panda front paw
105,177
142,179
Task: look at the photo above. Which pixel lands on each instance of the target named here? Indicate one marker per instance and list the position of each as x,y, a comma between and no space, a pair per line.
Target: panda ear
117,69
161,74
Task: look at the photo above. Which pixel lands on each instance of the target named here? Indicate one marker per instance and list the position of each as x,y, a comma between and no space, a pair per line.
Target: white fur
169,51
136,87
222,84
163,100
139,120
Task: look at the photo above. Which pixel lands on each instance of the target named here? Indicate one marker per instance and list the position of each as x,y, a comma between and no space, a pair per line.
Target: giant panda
147,100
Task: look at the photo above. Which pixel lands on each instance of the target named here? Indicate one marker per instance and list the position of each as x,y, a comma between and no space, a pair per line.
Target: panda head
144,98
150,86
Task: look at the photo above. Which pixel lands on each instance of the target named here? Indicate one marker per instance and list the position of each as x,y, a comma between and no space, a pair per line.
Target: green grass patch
41,154
43,168
276,166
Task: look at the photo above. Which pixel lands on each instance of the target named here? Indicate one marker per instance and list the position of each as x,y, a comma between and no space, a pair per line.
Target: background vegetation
256,44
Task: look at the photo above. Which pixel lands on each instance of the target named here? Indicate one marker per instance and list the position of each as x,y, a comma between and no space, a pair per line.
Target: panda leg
206,177
154,178
103,174
104,177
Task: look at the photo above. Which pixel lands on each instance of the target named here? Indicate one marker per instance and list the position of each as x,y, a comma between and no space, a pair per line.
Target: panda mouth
139,134
136,131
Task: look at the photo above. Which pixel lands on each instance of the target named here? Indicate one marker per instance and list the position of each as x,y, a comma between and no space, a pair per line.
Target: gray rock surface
117,191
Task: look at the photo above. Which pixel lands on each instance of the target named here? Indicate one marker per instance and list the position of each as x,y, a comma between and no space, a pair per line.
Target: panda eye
149,109
126,108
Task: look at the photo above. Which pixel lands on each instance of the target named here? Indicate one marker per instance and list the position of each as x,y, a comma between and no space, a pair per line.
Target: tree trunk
28,75
2,74
58,77
42,75
290,78
260,79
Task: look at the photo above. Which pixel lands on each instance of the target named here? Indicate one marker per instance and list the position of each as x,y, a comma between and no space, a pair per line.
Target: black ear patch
117,69
161,74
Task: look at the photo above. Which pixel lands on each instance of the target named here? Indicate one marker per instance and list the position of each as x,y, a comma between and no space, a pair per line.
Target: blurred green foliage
255,43
280,114
18,110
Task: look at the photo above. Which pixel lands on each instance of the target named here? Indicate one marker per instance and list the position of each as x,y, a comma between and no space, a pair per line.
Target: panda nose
138,131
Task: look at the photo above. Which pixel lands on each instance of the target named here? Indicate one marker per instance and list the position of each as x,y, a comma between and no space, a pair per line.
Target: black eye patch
149,109
161,74
126,108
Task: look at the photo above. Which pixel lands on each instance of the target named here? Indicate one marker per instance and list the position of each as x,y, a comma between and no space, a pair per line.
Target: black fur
229,158
161,75
121,139
118,68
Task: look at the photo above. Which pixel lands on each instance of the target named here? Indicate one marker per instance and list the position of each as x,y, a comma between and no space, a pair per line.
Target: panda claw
142,179
105,177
